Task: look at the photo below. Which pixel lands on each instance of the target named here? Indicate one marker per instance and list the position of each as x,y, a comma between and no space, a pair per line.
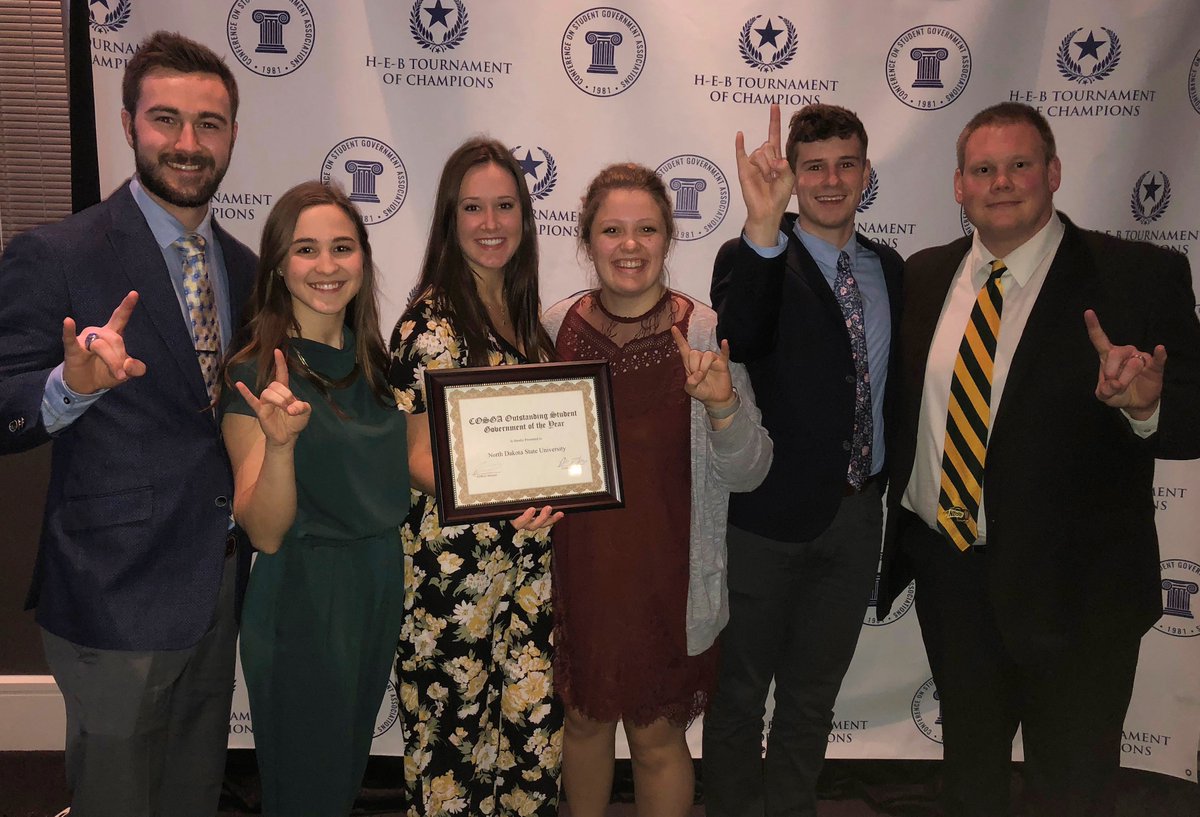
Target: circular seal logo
1087,65
760,47
1180,586
272,39
373,173
603,51
927,711
964,222
389,711
542,174
900,606
928,67
1150,197
1193,90
870,194
111,16
701,194
444,30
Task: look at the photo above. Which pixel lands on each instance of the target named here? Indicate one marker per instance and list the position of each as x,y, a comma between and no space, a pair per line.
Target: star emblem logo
529,164
1151,190
1090,46
438,14
767,34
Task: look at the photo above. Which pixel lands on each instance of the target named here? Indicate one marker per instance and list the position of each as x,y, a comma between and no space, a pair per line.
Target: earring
279,271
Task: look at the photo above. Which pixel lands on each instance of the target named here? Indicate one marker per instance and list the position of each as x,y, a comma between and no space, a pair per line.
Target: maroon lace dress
621,576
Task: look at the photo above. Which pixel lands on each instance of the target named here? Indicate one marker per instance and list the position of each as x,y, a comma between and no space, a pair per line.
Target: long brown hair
446,277
272,321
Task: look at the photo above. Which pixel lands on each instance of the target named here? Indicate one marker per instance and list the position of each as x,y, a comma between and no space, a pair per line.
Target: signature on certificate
485,471
572,465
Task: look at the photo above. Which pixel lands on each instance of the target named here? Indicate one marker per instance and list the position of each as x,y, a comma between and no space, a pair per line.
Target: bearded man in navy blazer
1023,505
136,575
809,305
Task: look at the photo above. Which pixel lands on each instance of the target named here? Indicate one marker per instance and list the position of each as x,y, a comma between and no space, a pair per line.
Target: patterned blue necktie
845,289
202,309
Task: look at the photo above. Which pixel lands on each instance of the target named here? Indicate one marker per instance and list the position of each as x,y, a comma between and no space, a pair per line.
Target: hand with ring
95,358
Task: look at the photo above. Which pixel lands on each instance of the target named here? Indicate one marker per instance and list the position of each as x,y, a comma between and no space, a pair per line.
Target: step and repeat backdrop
374,94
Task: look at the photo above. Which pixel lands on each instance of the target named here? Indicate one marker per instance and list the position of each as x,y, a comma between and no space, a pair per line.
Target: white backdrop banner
375,93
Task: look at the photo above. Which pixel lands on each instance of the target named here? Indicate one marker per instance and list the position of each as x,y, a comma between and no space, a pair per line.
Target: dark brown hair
1007,113
818,122
626,176
446,277
272,321
174,52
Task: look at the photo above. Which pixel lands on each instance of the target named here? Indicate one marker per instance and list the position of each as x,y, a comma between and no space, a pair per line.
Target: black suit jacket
783,321
137,511
1071,544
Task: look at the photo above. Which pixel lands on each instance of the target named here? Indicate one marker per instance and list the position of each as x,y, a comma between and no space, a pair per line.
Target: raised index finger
1100,341
120,315
681,342
774,135
281,369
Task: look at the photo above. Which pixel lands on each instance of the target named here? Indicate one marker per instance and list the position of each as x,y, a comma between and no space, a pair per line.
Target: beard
152,171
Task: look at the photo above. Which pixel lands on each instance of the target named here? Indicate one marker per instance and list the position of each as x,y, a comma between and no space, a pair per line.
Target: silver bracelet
728,411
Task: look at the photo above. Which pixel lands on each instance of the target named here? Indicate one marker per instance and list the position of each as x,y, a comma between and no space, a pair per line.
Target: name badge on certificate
509,437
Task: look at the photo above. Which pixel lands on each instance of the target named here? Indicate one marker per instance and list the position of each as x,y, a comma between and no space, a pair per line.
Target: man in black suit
809,306
136,575
1026,514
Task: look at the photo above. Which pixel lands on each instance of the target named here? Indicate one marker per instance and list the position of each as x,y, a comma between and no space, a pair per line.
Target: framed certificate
506,438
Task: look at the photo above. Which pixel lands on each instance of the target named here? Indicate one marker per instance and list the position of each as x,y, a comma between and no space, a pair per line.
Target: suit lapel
801,264
143,265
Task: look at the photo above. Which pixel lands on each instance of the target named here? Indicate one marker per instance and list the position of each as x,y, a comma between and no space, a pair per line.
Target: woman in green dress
319,455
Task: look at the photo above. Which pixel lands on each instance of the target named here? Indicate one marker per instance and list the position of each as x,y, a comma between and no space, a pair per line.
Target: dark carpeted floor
32,785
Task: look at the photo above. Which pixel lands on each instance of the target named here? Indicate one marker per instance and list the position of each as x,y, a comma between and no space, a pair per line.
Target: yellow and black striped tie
969,415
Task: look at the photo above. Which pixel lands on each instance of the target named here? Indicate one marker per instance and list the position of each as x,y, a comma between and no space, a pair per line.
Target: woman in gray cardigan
640,591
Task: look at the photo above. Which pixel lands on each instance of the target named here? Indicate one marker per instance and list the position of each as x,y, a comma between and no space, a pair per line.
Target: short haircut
174,52
1007,113
818,122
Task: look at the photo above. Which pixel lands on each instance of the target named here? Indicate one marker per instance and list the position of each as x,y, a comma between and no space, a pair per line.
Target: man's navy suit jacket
782,320
137,513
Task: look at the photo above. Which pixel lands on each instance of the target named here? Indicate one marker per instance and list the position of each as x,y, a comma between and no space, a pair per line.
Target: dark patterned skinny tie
849,298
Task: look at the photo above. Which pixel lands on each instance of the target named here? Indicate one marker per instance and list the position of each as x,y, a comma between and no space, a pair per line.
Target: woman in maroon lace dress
640,591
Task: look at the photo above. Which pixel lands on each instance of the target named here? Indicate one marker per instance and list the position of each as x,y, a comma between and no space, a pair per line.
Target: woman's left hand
708,377
533,519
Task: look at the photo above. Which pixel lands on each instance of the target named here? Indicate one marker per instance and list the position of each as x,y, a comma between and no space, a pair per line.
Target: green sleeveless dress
322,615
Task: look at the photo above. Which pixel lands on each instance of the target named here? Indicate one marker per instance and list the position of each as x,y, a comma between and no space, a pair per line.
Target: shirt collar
1025,260
165,227
824,253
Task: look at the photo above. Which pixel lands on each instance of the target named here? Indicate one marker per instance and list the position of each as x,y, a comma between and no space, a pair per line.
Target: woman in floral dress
483,733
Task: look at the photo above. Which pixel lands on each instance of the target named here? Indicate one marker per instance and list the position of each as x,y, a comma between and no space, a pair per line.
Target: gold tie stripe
202,309
969,415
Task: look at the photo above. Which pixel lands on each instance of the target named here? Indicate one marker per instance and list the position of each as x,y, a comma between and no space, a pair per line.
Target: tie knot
191,244
843,261
998,268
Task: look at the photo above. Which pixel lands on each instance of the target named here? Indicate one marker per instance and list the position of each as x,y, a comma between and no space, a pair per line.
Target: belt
850,490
